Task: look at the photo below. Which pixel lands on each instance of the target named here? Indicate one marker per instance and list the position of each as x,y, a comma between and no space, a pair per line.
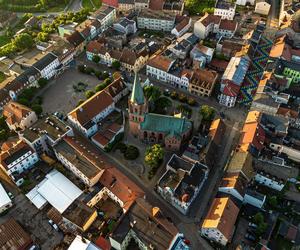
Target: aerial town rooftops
228,25
90,163
222,215
235,181
45,61
13,236
208,19
15,112
51,126
161,62
75,38
224,4
149,225
163,15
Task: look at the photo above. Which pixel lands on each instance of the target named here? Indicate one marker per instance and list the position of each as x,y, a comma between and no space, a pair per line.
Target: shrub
116,65
89,70
96,59
42,82
131,152
105,75
81,68
98,74
182,98
37,109
191,101
89,94
80,102
174,95
100,87
122,147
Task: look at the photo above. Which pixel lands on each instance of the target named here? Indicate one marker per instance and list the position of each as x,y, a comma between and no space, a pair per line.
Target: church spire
137,95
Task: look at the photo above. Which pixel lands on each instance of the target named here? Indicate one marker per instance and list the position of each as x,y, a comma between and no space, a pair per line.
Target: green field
33,5
91,4
4,40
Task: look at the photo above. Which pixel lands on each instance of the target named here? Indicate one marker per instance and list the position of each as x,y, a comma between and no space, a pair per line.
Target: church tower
137,106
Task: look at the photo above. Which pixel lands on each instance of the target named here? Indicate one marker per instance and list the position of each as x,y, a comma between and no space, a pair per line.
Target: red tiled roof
103,243
228,25
183,23
121,186
210,18
231,89
15,112
156,4
160,62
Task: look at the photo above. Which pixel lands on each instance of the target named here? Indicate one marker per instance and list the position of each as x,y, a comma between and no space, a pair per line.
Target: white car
53,225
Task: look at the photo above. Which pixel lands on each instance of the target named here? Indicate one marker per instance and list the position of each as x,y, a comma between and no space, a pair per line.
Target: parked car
53,225
252,225
250,237
11,196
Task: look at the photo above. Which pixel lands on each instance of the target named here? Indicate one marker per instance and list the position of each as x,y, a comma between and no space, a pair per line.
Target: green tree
37,109
42,82
100,87
152,93
42,36
154,155
89,94
116,65
161,104
3,134
23,41
258,218
96,59
207,112
131,152
273,201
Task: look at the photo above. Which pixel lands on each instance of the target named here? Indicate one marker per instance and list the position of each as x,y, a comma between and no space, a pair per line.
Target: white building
87,115
106,15
55,189
182,27
220,228
262,7
269,181
156,20
77,156
5,201
16,158
18,116
225,9
45,134
47,65
126,26
254,198
80,243
182,182
209,24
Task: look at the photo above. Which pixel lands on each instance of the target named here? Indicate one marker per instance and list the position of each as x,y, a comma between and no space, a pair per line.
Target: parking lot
60,94
33,222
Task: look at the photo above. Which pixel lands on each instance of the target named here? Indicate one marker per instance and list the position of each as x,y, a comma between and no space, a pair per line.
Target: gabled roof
85,112
121,186
228,25
45,61
160,62
209,18
15,112
222,215
75,38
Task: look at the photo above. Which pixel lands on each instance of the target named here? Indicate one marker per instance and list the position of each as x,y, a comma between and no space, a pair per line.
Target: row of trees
200,6
19,43
154,156
30,5
27,97
157,102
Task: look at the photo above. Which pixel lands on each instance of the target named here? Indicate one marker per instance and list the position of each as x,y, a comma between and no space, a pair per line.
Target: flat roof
56,189
51,125
80,243
4,198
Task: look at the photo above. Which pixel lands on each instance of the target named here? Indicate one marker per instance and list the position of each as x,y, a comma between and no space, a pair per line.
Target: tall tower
137,106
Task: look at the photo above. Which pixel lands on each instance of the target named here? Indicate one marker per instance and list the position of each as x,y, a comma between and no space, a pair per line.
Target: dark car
250,237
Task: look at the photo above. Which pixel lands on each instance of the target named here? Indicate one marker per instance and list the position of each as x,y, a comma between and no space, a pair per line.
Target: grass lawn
90,4
4,40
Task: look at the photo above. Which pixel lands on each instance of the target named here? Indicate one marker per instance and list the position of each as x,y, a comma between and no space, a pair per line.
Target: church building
155,128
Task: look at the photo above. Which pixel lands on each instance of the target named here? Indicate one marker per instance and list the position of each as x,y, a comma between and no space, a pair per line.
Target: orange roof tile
160,62
121,186
15,112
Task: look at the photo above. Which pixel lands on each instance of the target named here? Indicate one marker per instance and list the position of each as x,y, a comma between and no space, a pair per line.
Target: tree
42,36
96,59
89,70
89,94
23,41
273,201
154,155
207,112
191,102
131,152
161,104
174,95
107,81
258,218
152,93
116,65
182,98
37,109
81,68
3,134
42,82
100,87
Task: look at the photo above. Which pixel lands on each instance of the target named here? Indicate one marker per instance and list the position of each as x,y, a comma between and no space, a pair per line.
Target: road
74,5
